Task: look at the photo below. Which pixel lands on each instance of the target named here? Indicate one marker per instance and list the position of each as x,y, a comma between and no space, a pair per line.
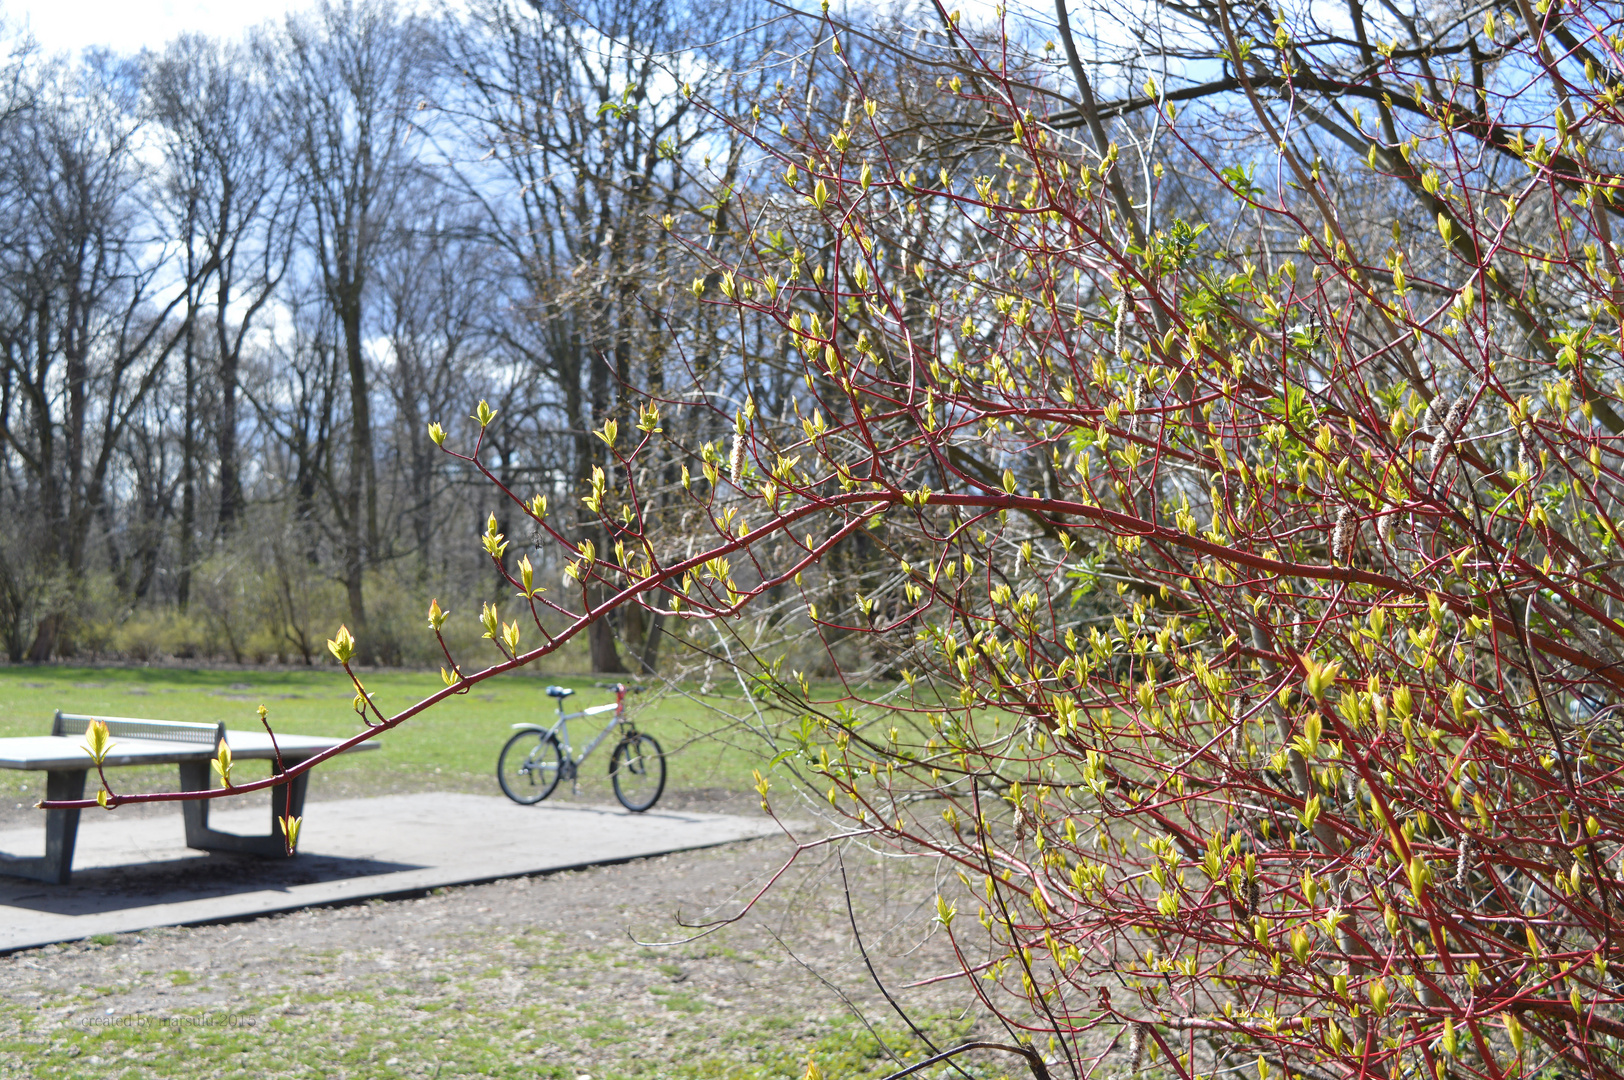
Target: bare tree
347,79
82,334
226,195
583,147
438,304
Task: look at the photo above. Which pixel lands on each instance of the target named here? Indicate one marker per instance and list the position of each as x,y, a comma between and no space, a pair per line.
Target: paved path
135,874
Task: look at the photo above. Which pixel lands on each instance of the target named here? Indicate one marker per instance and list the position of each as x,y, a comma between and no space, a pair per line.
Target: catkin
1342,534
1450,430
1463,861
1141,394
1136,1049
1384,526
1254,898
735,461
1237,751
1525,450
1121,321
1432,418
1459,413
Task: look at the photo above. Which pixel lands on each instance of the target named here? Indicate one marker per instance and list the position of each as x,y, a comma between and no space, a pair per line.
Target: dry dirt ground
572,975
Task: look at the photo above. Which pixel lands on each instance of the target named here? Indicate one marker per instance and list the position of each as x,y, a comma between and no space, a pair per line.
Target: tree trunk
600,635
354,567
188,491
361,455
649,659
226,447
45,635
605,658
361,534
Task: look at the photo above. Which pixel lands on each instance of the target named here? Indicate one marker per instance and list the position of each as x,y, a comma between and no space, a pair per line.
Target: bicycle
536,758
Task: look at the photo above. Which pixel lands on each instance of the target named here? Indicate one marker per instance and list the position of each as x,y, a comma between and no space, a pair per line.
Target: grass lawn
463,1025
452,746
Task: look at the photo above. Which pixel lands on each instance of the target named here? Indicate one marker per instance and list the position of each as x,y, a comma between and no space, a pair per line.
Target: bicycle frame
560,729
537,756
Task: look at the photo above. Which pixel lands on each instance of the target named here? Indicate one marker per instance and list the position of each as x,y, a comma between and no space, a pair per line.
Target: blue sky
129,25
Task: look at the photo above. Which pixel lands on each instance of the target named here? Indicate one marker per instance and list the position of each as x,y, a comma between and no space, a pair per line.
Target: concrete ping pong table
61,755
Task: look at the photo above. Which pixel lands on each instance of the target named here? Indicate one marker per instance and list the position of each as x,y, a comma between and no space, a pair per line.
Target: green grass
363,1034
493,1004
452,746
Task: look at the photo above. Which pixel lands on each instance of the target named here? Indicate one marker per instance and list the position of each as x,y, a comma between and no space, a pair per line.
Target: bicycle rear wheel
529,767
637,769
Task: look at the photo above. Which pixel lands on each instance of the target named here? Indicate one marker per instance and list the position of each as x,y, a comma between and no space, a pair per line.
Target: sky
131,25
128,26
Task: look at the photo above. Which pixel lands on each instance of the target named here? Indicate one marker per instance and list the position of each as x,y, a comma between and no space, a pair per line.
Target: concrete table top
138,873
46,752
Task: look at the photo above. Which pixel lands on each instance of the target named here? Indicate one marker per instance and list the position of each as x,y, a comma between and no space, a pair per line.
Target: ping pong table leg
61,830
194,776
288,800
61,826
285,799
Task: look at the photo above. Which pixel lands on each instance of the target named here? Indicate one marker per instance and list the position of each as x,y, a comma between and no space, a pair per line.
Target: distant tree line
238,279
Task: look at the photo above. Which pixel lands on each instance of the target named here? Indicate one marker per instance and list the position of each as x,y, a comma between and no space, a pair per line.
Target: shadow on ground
202,877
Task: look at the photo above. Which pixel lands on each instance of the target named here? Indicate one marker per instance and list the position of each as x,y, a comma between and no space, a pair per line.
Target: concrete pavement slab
136,874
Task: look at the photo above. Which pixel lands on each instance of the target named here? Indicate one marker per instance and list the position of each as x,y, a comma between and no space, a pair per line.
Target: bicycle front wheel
637,769
529,767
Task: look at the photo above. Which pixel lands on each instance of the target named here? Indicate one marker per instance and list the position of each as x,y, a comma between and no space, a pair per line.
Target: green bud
1514,1029
342,645
97,741
222,764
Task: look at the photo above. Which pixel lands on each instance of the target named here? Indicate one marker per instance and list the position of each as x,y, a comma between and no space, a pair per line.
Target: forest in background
238,279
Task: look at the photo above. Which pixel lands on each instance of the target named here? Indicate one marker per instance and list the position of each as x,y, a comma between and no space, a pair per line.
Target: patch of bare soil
587,970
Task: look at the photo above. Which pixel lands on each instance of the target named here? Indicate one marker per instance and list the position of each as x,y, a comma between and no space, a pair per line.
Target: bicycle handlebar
620,687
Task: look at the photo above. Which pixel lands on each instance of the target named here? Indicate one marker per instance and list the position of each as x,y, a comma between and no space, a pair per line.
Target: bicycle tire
637,770
529,766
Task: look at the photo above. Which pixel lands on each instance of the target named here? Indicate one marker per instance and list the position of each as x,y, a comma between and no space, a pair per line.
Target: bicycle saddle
559,691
